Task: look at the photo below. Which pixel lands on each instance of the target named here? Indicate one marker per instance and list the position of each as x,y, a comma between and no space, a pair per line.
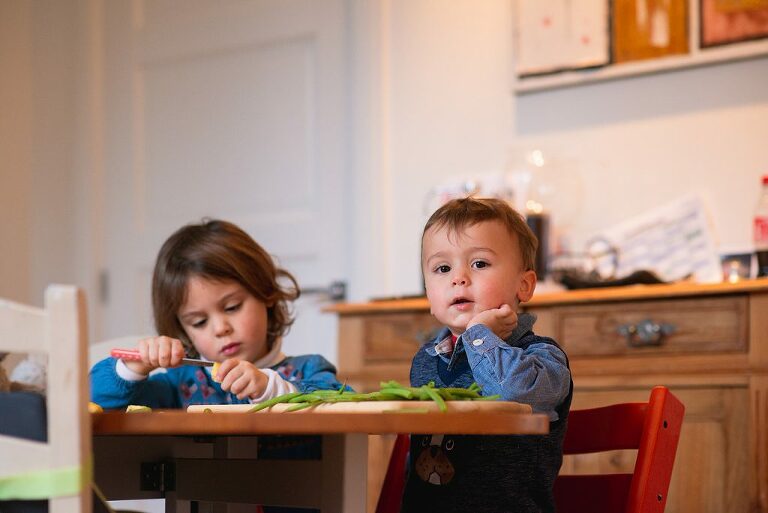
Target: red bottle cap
765,179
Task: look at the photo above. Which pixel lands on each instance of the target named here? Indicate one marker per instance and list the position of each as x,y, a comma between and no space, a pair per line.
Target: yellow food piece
137,408
94,408
215,372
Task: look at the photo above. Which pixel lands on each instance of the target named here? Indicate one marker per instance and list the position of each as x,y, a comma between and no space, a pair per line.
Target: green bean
311,398
347,399
432,393
275,400
401,392
391,384
389,391
447,395
462,393
297,407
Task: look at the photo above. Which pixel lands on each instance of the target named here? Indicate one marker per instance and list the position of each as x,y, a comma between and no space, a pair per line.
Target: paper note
674,241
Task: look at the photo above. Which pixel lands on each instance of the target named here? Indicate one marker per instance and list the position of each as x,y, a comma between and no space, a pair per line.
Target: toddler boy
477,258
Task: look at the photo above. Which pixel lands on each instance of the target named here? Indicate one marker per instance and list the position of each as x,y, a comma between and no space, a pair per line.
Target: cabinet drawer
396,337
701,325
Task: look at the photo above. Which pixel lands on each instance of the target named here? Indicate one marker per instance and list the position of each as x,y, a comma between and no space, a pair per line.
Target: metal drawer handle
645,333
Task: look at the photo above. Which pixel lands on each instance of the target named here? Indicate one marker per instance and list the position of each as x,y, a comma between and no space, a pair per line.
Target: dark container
540,225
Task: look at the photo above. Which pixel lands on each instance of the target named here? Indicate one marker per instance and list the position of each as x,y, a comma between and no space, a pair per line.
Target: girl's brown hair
463,212
218,250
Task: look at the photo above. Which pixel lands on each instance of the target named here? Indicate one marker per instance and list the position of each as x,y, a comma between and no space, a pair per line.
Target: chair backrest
653,428
394,480
60,468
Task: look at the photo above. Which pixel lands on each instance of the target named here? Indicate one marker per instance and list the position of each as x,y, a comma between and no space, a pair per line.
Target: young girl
216,295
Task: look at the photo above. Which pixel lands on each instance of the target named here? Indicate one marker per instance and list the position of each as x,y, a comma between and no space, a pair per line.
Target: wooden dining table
210,458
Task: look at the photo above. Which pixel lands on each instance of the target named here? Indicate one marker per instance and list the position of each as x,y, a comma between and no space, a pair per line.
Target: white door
233,110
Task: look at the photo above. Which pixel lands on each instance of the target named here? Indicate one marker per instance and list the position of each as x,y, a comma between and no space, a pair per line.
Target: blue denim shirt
452,473
537,375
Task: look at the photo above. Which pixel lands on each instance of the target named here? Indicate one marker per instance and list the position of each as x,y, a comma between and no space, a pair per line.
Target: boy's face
476,269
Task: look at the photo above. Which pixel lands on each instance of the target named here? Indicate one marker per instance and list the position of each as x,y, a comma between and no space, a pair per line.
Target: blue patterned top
180,387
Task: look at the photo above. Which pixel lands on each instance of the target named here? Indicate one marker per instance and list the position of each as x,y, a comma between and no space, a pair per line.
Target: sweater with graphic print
494,473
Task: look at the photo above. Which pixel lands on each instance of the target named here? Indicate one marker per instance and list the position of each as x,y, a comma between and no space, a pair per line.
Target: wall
444,109
633,144
431,99
645,141
37,139
15,149
53,174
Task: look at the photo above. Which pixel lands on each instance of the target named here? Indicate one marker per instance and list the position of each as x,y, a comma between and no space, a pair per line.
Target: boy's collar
445,344
525,322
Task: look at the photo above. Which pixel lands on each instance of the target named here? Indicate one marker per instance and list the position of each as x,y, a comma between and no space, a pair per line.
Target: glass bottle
760,230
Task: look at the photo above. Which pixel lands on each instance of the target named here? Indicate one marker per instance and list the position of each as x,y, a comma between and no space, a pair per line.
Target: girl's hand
157,352
241,378
502,321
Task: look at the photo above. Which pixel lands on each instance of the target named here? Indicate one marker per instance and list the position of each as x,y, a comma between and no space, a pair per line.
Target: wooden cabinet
711,469
708,343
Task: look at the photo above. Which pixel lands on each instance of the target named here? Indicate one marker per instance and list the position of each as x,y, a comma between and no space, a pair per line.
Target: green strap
42,484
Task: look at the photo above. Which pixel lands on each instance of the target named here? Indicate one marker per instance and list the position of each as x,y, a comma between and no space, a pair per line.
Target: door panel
232,110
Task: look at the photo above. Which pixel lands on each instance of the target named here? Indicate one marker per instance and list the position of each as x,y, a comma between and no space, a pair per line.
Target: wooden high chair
653,428
59,470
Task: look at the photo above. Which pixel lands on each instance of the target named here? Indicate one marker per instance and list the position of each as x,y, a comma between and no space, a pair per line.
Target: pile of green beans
390,391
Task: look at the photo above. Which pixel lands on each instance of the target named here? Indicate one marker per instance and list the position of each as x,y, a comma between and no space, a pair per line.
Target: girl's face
223,320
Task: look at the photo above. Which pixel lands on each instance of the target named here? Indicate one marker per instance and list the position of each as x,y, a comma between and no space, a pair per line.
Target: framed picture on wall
646,29
730,21
559,35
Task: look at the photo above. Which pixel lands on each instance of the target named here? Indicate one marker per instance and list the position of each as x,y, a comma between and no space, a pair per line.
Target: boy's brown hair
218,250
464,212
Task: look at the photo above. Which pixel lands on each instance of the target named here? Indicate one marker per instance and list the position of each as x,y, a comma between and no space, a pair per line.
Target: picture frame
725,22
559,35
648,29
709,32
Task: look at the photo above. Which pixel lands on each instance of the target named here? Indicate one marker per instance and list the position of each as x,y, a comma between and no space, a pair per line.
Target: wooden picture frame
559,35
696,38
730,21
647,29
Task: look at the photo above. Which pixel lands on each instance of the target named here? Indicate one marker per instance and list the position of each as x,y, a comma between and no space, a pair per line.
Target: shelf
701,57
697,57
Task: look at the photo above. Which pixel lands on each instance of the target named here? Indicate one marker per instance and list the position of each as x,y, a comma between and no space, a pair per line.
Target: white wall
37,139
635,143
644,141
441,82
431,99
53,174
15,149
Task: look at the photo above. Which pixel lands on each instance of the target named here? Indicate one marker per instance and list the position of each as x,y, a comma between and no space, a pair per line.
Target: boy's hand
157,352
241,378
502,321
